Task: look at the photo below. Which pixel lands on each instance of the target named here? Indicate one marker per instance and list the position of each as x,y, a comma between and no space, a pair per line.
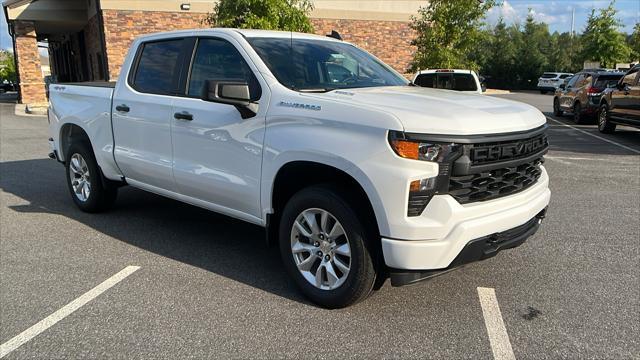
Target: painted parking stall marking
65,311
595,136
498,337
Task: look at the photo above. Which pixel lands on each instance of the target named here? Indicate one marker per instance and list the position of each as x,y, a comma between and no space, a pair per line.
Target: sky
556,13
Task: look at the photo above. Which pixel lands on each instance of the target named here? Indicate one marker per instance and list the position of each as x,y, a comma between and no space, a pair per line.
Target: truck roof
250,33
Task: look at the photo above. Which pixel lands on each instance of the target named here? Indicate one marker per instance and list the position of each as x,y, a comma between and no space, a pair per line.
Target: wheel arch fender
273,171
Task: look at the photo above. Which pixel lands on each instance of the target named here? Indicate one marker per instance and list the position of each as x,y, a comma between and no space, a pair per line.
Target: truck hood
435,111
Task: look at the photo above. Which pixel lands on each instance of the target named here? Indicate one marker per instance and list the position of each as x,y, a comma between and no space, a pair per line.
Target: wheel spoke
336,231
310,219
332,277
302,229
341,265
319,275
307,263
343,250
299,247
324,221
75,165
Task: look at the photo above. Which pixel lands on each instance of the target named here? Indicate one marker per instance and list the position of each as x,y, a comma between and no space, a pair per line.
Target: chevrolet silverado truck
358,175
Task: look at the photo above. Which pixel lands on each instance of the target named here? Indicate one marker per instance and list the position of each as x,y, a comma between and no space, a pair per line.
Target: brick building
88,39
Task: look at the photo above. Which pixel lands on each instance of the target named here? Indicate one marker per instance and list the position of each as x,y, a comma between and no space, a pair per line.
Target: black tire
604,123
360,279
578,117
556,107
543,92
102,194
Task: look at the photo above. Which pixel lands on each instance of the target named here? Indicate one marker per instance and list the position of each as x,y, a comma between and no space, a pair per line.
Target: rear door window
158,67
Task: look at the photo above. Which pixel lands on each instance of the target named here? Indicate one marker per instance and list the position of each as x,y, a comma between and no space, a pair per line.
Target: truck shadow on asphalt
194,236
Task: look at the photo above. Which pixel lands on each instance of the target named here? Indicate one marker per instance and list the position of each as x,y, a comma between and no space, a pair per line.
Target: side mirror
230,92
483,86
562,86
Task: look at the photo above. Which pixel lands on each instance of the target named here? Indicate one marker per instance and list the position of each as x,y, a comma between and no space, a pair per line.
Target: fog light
420,193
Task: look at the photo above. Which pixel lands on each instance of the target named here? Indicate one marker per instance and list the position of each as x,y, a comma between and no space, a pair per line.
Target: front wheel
604,123
325,249
84,179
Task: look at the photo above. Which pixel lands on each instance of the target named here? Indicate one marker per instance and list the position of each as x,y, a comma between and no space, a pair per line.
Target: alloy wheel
80,177
320,249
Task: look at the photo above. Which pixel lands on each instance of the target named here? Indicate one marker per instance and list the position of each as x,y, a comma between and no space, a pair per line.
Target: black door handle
122,108
183,116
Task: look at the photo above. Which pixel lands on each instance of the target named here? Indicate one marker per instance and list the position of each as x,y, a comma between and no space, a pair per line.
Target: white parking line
498,337
65,311
595,136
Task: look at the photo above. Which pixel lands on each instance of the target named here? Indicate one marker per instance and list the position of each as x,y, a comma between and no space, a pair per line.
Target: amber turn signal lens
407,149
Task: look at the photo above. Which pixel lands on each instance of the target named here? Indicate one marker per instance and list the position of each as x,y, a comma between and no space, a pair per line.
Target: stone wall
93,46
32,90
390,41
121,27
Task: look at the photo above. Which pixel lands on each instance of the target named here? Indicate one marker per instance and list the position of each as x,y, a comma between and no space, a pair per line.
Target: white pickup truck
358,175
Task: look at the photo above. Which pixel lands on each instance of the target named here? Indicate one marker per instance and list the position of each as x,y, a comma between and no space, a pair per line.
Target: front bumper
433,240
476,250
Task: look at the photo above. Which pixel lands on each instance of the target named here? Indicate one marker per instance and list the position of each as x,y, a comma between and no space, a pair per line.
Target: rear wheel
556,108
324,248
604,123
89,191
577,113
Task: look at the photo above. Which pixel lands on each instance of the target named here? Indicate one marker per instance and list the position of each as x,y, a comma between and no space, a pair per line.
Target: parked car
450,79
6,86
620,103
581,95
355,179
550,81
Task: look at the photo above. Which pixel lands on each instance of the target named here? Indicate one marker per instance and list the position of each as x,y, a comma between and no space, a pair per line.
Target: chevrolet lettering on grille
513,150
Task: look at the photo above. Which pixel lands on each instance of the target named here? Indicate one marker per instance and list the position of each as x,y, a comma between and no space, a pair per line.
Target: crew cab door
218,154
143,111
625,99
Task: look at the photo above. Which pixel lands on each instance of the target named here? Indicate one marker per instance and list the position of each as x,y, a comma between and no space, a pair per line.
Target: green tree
447,32
7,66
634,43
602,40
288,15
500,66
532,59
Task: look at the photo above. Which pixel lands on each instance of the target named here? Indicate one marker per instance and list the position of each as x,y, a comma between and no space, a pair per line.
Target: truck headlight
421,150
444,154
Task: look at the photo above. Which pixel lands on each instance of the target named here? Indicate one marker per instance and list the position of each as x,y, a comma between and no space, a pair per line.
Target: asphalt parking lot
208,287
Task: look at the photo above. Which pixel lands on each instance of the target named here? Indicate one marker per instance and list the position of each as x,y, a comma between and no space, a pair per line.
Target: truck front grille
495,183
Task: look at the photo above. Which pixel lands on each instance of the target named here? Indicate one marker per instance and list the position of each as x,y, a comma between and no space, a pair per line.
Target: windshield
317,65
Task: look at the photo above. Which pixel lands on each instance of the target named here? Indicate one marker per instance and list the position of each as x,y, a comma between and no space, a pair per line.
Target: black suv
582,94
620,104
